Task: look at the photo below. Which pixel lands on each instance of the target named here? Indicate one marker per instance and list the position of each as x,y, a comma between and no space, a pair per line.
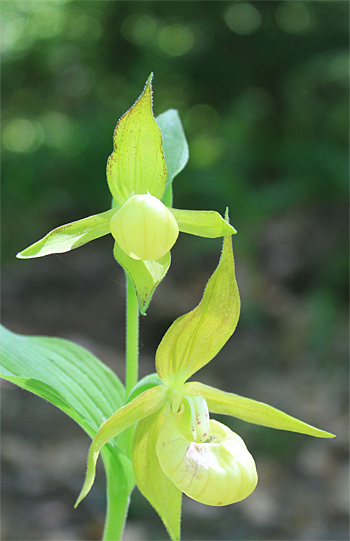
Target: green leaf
203,223
65,374
75,381
252,411
150,479
152,380
145,275
70,236
175,148
143,405
137,164
195,338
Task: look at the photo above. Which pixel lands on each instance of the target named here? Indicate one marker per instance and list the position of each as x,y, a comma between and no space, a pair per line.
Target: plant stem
118,498
132,337
132,358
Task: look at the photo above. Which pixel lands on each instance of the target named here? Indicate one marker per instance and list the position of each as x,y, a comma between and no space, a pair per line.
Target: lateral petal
253,411
70,236
203,223
142,406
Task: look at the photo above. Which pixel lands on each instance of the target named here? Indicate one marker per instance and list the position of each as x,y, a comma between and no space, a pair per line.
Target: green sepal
152,380
145,275
70,236
151,481
137,164
203,223
253,411
175,148
195,338
143,405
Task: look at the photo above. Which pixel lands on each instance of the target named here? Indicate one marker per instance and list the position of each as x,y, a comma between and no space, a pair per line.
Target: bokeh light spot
62,133
15,36
205,151
76,81
243,18
255,103
22,135
47,20
292,17
202,118
175,39
84,27
139,29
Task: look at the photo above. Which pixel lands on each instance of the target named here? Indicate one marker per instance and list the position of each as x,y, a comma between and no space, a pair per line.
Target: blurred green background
262,91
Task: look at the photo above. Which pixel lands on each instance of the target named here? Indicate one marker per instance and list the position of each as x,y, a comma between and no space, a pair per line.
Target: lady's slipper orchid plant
176,447
141,219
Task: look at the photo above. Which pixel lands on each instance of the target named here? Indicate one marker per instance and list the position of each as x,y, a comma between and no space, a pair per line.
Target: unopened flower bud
144,228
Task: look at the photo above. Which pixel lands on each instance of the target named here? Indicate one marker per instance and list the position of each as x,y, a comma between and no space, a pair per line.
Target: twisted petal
203,223
137,164
219,471
70,236
143,405
150,478
195,338
252,411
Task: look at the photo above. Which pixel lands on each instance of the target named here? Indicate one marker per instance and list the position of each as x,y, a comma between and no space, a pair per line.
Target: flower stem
132,358
118,498
132,337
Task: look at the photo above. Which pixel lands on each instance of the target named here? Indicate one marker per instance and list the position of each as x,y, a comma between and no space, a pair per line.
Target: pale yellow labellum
144,228
219,471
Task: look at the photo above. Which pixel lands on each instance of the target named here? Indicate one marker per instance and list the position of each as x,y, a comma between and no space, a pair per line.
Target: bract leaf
175,148
152,482
143,405
195,338
145,275
137,164
70,236
253,411
152,380
203,223
54,369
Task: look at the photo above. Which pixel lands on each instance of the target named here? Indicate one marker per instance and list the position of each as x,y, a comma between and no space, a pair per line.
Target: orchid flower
140,171
177,448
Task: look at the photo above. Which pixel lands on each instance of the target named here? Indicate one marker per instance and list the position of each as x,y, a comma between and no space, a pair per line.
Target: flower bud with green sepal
148,153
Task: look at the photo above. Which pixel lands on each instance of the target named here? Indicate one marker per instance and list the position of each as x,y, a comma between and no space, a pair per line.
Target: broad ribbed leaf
150,479
203,223
145,275
137,164
65,374
75,381
70,236
175,148
195,338
253,411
